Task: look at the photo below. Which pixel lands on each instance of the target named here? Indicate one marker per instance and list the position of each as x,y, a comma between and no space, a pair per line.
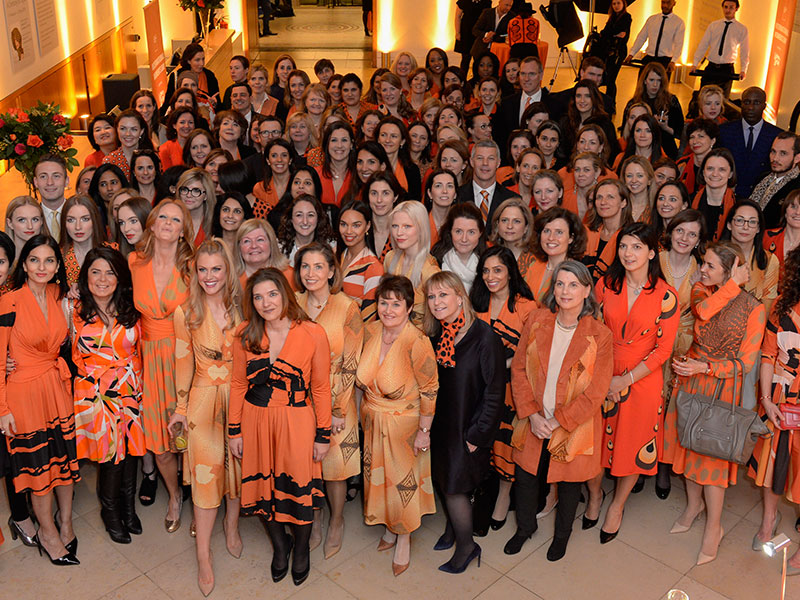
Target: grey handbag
718,429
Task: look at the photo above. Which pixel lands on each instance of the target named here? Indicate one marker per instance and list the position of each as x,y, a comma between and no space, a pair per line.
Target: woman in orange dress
257,248
204,331
159,268
281,361
502,298
728,329
81,230
36,412
559,375
108,387
382,192
361,269
585,170
641,310
339,167
609,213
319,277
399,377
441,189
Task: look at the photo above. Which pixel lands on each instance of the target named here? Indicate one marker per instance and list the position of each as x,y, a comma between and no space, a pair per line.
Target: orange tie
529,101
485,205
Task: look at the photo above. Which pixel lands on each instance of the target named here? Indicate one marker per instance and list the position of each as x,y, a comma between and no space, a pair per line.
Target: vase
202,15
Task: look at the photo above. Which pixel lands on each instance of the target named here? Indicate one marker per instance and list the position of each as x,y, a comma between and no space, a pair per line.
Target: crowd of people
290,294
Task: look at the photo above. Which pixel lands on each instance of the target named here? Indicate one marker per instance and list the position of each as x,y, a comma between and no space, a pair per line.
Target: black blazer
750,166
484,25
509,121
501,194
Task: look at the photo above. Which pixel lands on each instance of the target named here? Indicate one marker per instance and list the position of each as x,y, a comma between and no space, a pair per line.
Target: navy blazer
750,166
501,194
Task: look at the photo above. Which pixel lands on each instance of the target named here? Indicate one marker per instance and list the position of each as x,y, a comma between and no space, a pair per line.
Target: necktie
660,33
55,225
750,139
485,205
722,41
529,101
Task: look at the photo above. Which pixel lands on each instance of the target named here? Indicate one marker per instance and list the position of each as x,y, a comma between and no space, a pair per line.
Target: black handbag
719,429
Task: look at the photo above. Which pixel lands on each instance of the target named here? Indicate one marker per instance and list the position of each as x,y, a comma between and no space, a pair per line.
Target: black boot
109,482
127,496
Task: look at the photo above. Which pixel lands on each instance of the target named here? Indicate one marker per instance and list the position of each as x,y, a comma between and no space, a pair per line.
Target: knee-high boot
127,495
109,482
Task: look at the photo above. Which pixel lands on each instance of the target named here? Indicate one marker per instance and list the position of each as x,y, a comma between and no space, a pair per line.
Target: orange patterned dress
633,427
508,325
729,325
159,395
107,390
360,280
341,320
43,454
398,489
280,406
204,366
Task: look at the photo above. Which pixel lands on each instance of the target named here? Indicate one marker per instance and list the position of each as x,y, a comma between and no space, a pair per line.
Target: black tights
458,511
281,545
18,503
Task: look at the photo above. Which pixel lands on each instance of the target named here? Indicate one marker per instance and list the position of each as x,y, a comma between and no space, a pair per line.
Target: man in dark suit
492,26
749,140
592,68
784,177
530,81
483,190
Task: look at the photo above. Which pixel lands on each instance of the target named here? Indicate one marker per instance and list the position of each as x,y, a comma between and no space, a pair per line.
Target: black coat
472,9
468,408
509,119
485,24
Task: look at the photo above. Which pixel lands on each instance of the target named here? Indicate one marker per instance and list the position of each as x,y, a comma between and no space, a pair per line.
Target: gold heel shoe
169,524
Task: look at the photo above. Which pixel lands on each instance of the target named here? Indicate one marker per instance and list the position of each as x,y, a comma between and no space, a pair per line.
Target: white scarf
466,272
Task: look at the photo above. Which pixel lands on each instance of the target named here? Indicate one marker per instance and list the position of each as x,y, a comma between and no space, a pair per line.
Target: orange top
95,159
117,158
266,200
400,174
171,154
598,262
329,194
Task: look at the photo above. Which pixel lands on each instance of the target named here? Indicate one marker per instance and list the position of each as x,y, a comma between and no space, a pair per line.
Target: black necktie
750,139
724,33
660,33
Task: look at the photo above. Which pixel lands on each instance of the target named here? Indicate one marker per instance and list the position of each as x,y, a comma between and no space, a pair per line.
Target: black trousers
266,12
526,493
718,75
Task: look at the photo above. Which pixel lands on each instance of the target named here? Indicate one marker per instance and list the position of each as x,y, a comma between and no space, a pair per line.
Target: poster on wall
46,25
779,54
19,32
155,50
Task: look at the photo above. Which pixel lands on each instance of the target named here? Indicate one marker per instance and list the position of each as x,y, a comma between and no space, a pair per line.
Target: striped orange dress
360,280
508,325
36,393
107,390
159,395
271,409
341,320
398,489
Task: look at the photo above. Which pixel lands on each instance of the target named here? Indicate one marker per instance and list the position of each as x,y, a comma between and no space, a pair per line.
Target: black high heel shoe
17,532
639,485
606,537
67,560
279,574
444,542
587,523
662,492
299,578
72,547
449,567
496,525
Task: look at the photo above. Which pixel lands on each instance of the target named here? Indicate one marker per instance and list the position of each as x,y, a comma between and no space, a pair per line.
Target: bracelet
765,397
424,429
631,374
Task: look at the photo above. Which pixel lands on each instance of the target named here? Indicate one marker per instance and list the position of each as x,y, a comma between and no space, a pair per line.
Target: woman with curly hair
558,235
304,221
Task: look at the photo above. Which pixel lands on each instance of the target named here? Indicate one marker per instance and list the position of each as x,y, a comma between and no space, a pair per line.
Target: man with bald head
749,139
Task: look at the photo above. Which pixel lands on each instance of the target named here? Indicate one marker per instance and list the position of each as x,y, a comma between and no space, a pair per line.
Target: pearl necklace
672,275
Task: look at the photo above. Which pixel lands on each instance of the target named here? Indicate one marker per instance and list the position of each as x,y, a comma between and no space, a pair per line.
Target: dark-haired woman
102,137
652,88
230,211
643,139
782,240
338,169
559,375
392,134
198,146
145,173
194,59
462,242
610,212
180,124
715,195
641,310
615,35
131,219
501,297
440,194
144,102
35,403
132,133
304,221
361,269
586,106
81,231
106,181
281,360
278,161
304,180
382,192
108,386
671,198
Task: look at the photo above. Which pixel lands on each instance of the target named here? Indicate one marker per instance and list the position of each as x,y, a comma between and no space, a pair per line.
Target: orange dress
598,258
398,488
43,452
171,154
508,325
71,265
266,200
329,194
538,279
633,426
360,280
273,412
429,267
117,158
159,394
699,203
729,324
341,320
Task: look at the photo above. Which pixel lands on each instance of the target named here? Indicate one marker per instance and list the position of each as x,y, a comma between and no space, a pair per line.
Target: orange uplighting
444,36
386,40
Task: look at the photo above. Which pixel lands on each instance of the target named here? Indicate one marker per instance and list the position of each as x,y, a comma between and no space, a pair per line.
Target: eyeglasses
193,192
741,222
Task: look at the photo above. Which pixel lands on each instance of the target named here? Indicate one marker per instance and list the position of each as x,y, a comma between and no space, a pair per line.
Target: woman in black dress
472,372
614,38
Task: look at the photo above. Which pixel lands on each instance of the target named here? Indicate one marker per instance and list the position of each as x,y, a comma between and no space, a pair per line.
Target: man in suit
492,26
530,81
241,95
784,177
749,140
592,68
483,190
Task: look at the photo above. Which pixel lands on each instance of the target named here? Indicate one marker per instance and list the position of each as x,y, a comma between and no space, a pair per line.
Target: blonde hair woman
410,255
302,133
257,248
197,191
24,219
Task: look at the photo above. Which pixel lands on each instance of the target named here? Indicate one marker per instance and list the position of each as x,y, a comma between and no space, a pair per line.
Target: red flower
2,123
20,149
201,4
58,120
64,142
34,141
22,116
13,136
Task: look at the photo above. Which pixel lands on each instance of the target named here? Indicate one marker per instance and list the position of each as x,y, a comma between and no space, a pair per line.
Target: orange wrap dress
729,324
398,488
598,256
280,406
538,279
633,427
360,279
159,394
341,320
36,393
204,366
107,390
508,325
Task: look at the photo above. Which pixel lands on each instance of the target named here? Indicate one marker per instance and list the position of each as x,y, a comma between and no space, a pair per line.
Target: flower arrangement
201,4
26,136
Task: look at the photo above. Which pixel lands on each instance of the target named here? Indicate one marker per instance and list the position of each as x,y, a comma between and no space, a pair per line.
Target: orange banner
155,50
781,37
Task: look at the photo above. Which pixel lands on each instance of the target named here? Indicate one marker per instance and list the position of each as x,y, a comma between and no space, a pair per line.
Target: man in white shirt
664,35
722,41
50,180
530,82
482,190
